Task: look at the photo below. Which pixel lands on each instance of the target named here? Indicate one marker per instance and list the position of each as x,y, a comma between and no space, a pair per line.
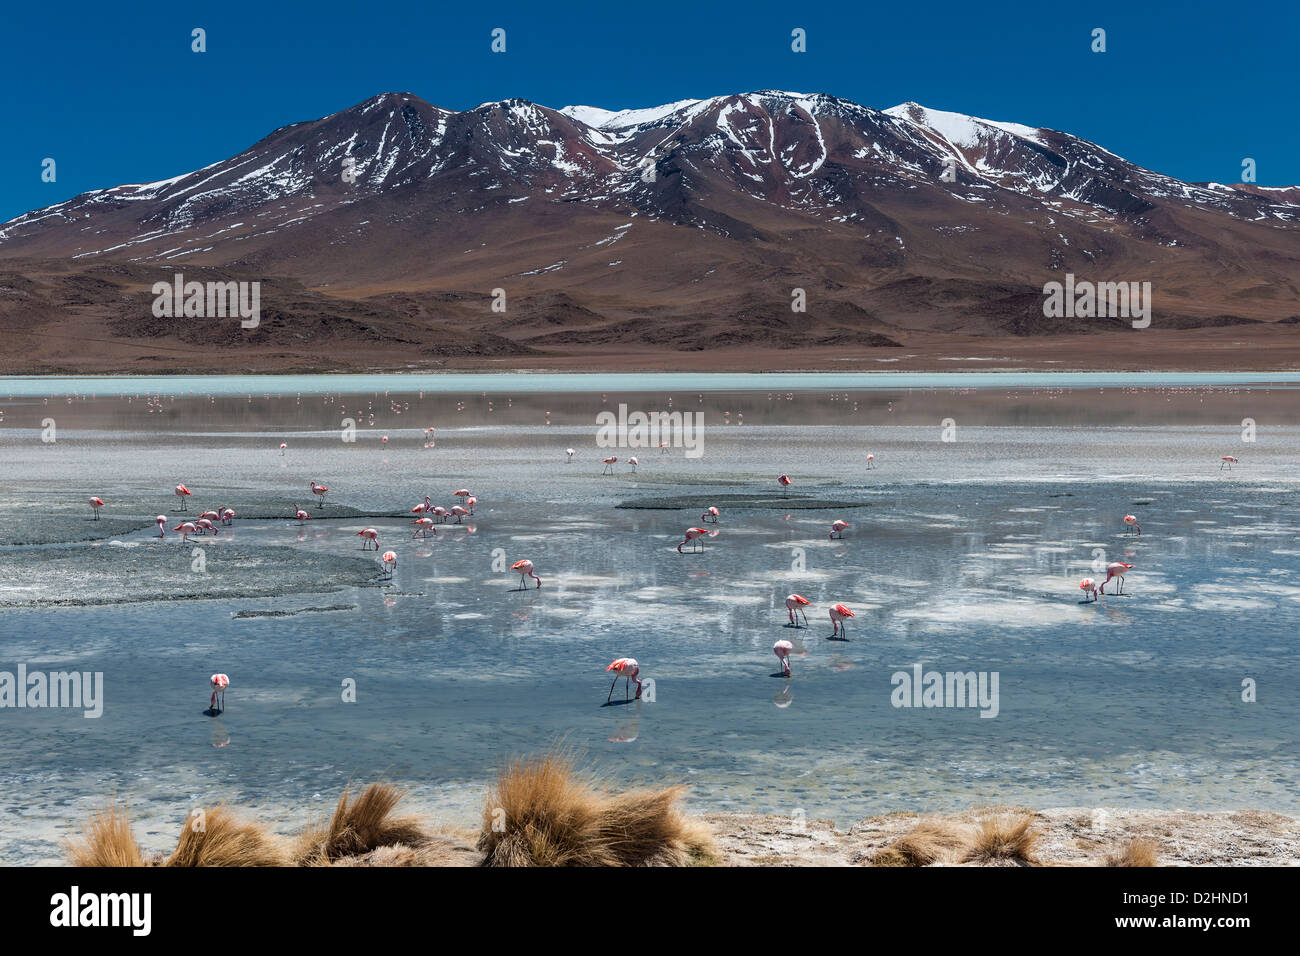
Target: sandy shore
1068,836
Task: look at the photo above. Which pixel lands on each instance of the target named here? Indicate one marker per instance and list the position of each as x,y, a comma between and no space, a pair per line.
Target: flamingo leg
611,690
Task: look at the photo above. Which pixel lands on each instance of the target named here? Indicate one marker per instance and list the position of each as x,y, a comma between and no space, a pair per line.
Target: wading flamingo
633,462
422,528
710,516
423,507
283,446
470,502
95,504
1132,522
692,534
161,522
228,515
570,452
838,614
461,493
390,563
525,570
1089,588
459,512
429,441
609,464
784,481
871,462
441,512
384,440
300,514
205,525
182,493
663,448
837,528
1117,570
782,651
186,528
209,515
319,492
627,668
1227,460
795,604
368,535
219,684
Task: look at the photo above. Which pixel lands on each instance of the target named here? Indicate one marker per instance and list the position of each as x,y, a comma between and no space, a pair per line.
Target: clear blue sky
114,95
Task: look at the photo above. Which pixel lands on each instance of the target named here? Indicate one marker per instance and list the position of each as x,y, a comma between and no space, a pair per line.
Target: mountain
677,229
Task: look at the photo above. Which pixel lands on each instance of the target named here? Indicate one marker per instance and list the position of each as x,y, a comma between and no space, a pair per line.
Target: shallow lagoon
963,555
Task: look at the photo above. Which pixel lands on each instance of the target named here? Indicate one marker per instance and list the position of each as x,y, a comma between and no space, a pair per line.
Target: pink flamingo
633,462
1117,570
711,515
663,448
205,525
319,492
384,440
283,446
1089,588
209,515
186,528
228,516
525,571
784,481
300,514
837,528
441,512
782,651
422,528
95,504
795,603
460,493
1132,522
459,512
570,452
219,684
390,562
871,462
368,535
609,464
161,522
838,614
423,507
1227,460
692,534
470,502
627,668
182,493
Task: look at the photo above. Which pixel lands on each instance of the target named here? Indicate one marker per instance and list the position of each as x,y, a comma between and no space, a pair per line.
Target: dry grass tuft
543,813
931,841
1137,852
225,841
106,840
361,827
1004,838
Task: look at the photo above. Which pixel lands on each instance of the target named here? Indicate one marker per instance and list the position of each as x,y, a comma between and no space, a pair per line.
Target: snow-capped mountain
908,217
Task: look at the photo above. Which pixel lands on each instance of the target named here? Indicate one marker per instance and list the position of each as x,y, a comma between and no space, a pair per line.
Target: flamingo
423,507
186,528
283,446
470,502
95,504
228,515
784,481
300,514
663,448
837,528
1227,460
1132,522
161,521
368,535
429,441
691,535
460,493
422,528
1116,569
782,651
219,684
525,570
871,462
319,492
205,525
459,512
390,562
209,515
609,464
795,603
570,452
838,613
441,512
182,493
627,668
711,515
633,462
1089,588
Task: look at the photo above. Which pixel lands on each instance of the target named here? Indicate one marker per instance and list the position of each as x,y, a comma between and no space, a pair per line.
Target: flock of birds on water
626,668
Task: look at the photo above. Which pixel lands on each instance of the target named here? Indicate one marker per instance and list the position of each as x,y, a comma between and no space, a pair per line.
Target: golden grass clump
1137,852
360,827
223,840
541,812
1004,838
106,840
931,841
